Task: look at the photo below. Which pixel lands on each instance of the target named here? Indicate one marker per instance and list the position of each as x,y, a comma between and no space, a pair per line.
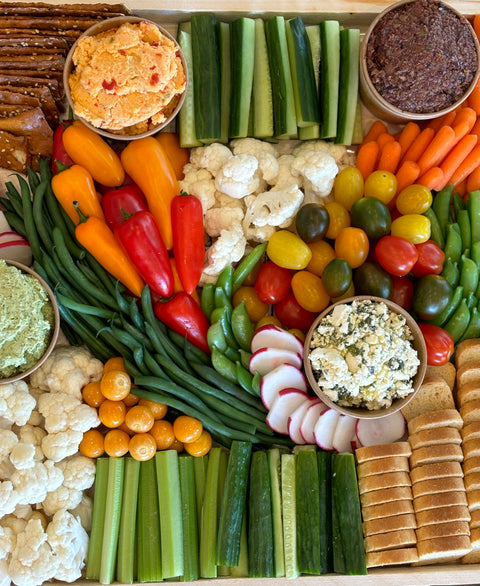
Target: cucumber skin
324,460
329,77
348,88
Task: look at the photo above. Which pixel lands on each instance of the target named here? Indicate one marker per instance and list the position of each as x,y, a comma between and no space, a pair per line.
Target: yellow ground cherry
352,244
130,400
200,446
339,218
177,446
162,431
142,446
112,413
92,395
115,385
116,443
187,429
92,444
115,363
159,410
139,419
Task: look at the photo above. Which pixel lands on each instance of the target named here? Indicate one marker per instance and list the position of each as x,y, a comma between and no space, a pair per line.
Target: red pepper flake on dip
126,79
421,56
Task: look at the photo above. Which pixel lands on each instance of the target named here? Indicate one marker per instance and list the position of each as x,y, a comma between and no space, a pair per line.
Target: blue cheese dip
362,355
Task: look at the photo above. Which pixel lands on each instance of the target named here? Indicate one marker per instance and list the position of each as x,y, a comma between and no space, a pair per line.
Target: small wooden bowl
418,343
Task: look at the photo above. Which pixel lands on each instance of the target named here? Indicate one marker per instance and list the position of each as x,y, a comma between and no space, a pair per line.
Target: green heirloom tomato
371,279
312,222
372,215
337,277
431,296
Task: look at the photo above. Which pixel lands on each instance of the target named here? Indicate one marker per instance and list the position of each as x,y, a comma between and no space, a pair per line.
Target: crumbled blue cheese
362,355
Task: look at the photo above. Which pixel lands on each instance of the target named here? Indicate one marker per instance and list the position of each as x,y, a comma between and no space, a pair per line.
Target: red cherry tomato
439,344
292,315
430,259
396,255
272,282
402,292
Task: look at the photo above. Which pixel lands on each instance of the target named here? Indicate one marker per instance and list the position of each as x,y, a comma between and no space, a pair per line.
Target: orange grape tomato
353,245
139,419
187,429
339,218
112,413
309,291
115,385
92,445
116,443
130,400
159,410
115,363
162,432
322,254
142,446
201,446
92,395
177,155
256,309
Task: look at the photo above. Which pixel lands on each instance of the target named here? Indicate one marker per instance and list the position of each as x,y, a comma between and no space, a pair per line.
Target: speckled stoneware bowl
105,25
363,413
379,106
54,331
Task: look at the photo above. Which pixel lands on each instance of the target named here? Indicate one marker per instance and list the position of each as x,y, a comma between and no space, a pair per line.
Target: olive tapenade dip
421,56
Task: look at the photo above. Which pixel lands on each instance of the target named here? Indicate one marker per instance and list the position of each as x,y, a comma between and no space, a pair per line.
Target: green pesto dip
26,320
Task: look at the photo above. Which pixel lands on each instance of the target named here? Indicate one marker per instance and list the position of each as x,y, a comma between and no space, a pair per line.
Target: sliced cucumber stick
262,102
223,30
329,77
242,50
348,89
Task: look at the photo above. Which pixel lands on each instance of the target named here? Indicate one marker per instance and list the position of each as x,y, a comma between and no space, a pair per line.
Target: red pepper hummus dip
421,56
126,79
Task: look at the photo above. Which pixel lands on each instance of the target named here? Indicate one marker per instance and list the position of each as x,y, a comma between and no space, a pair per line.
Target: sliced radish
325,427
266,359
342,439
296,419
315,409
354,441
4,225
283,407
381,430
281,377
14,247
271,336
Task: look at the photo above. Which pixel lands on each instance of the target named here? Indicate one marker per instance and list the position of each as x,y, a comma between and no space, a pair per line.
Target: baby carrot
367,157
419,145
377,128
473,180
407,174
456,156
464,121
468,165
447,119
461,188
476,128
438,148
473,100
389,156
408,134
431,179
383,138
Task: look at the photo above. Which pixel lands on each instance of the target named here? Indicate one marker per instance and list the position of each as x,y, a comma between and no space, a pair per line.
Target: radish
283,407
325,427
315,409
271,336
381,430
354,441
14,247
281,377
296,419
342,439
266,359
4,225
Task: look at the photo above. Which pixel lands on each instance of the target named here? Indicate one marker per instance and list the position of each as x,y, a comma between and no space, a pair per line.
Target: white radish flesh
295,421
283,407
310,419
381,430
342,440
325,427
266,359
282,377
14,247
271,336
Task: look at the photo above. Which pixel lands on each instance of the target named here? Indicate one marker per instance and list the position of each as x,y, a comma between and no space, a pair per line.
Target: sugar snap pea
225,280
246,265
453,242
458,322
245,378
436,233
441,206
474,209
468,275
451,272
224,365
463,220
242,326
216,337
207,299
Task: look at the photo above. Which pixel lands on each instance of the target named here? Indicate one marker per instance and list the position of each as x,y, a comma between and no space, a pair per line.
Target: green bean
138,356
33,179
29,221
122,303
153,365
131,368
104,276
91,276
139,336
94,344
195,354
156,342
14,197
84,308
245,267
136,316
42,222
6,204
16,222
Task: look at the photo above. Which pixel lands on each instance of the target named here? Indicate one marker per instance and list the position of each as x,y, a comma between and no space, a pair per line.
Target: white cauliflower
264,152
69,542
285,176
78,472
210,157
237,177
57,446
252,232
8,439
339,152
16,403
228,248
33,435
318,170
61,498
67,370
199,182
22,456
218,219
84,512
9,498
32,484
64,412
276,207
222,200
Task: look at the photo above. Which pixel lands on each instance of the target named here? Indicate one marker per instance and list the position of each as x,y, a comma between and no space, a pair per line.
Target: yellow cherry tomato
322,254
352,244
413,227
382,185
309,291
289,251
256,309
348,186
414,199
339,218
268,320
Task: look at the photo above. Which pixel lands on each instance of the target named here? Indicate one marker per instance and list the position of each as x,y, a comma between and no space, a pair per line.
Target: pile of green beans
96,312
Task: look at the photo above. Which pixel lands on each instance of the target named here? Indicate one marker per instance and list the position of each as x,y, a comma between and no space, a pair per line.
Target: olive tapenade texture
421,56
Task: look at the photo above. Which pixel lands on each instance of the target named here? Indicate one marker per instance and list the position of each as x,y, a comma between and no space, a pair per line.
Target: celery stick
149,566
288,482
170,506
241,569
128,519
113,507
189,518
94,556
208,527
274,465
200,468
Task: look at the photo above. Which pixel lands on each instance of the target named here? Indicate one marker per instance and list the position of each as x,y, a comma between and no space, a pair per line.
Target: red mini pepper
184,316
141,239
188,239
59,153
126,200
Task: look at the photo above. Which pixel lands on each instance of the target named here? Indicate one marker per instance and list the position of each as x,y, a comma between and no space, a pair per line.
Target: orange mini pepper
87,148
75,183
147,163
178,155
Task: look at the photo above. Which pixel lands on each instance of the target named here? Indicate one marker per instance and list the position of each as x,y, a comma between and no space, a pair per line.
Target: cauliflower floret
237,177
31,484
210,157
228,248
61,498
337,151
252,232
264,152
16,403
9,498
67,370
84,512
318,170
7,542
218,219
63,412
69,541
78,472
30,434
222,200
276,207
285,177
22,456
8,439
57,446
199,182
